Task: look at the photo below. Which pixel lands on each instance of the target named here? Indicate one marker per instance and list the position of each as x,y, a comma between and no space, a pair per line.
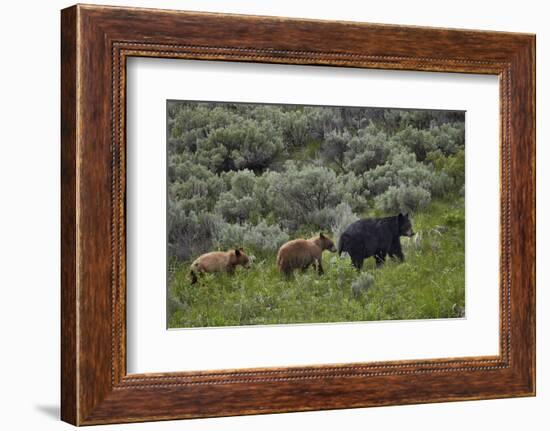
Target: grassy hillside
429,284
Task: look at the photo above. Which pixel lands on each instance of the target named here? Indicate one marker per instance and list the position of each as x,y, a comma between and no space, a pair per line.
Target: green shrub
401,169
419,142
302,193
260,238
243,144
265,238
367,150
335,146
190,233
362,284
449,137
403,199
235,210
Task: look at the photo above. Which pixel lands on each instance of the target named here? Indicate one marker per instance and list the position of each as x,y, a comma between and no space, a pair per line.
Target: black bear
376,237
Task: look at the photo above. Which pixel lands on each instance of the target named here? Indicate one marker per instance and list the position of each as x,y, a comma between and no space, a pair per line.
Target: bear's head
326,243
239,257
405,225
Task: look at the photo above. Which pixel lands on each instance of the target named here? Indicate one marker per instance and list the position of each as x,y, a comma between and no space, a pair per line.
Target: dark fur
376,237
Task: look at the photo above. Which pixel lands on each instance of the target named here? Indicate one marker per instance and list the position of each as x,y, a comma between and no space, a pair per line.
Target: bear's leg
357,262
287,272
319,267
395,250
380,259
400,256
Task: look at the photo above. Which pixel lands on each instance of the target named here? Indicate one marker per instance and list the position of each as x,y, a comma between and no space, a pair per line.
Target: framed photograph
265,214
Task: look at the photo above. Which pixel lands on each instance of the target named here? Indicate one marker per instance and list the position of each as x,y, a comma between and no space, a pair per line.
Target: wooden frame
95,43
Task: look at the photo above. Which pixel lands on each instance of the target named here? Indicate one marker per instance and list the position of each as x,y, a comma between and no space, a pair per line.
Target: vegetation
255,176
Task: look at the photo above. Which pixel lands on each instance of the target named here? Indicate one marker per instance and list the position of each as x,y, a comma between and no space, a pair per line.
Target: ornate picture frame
96,41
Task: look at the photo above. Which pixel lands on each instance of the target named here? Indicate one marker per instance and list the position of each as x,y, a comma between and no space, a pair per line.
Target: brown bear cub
301,253
218,261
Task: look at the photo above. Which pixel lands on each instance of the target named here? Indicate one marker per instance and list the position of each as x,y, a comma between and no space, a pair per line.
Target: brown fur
218,261
301,253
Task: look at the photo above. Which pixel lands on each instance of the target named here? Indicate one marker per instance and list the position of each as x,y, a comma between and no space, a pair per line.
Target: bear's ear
237,252
406,215
400,216
321,235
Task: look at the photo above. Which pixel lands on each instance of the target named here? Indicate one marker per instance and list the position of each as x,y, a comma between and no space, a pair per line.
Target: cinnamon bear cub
301,253
218,261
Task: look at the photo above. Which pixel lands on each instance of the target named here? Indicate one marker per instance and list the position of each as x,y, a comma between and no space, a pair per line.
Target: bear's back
215,261
297,247
370,230
362,227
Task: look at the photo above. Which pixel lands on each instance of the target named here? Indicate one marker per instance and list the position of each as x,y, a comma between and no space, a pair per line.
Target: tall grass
429,284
